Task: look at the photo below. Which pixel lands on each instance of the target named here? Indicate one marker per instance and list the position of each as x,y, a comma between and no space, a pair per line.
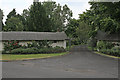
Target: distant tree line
40,17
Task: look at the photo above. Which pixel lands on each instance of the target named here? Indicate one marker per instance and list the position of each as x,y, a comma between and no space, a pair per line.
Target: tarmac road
80,63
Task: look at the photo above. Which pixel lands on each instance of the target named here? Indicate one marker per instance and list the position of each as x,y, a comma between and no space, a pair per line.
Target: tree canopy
41,17
104,16
1,19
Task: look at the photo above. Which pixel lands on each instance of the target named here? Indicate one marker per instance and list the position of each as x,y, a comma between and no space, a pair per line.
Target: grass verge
9,57
102,54
107,55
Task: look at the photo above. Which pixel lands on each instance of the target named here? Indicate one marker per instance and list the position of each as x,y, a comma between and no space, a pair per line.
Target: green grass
90,48
107,55
29,56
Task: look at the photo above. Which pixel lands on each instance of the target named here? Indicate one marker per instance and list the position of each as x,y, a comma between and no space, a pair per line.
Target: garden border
106,55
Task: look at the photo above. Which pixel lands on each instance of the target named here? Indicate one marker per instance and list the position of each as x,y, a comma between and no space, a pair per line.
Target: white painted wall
25,43
116,44
59,43
1,46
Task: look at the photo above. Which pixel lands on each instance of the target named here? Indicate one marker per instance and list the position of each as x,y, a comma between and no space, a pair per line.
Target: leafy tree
59,15
25,15
13,24
71,30
1,19
46,16
38,20
82,32
101,17
11,14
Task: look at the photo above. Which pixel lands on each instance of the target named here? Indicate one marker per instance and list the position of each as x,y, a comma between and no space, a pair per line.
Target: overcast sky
77,6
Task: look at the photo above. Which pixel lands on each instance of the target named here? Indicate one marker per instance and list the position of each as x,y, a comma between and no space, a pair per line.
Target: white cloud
0,3
19,5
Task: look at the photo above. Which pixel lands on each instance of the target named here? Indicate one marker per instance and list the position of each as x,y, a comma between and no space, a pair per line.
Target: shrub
113,51
24,51
104,45
52,50
116,48
36,50
59,49
10,45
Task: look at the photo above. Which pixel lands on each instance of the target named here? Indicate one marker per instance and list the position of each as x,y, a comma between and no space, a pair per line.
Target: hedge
35,50
114,51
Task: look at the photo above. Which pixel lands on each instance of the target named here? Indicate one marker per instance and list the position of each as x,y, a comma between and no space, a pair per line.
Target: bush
35,50
24,51
104,45
116,48
59,49
10,45
52,50
113,51
13,47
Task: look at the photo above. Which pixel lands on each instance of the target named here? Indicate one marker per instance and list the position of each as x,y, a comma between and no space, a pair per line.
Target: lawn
29,56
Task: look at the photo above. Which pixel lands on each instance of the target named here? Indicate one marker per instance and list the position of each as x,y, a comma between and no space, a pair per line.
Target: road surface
80,63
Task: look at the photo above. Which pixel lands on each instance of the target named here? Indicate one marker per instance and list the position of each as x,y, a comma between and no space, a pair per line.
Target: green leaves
37,19
14,24
58,15
102,16
109,25
40,17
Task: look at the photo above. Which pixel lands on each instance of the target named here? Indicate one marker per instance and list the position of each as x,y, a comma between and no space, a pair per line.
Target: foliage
24,51
1,19
78,31
37,19
101,17
13,24
13,47
111,52
72,26
11,14
92,42
24,18
108,48
46,16
83,32
36,50
40,17
59,15
104,45
10,45
44,44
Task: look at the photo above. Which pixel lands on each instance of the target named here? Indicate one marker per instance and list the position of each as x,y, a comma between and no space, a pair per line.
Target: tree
38,20
58,15
13,24
24,17
1,19
82,32
11,14
101,17
71,30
